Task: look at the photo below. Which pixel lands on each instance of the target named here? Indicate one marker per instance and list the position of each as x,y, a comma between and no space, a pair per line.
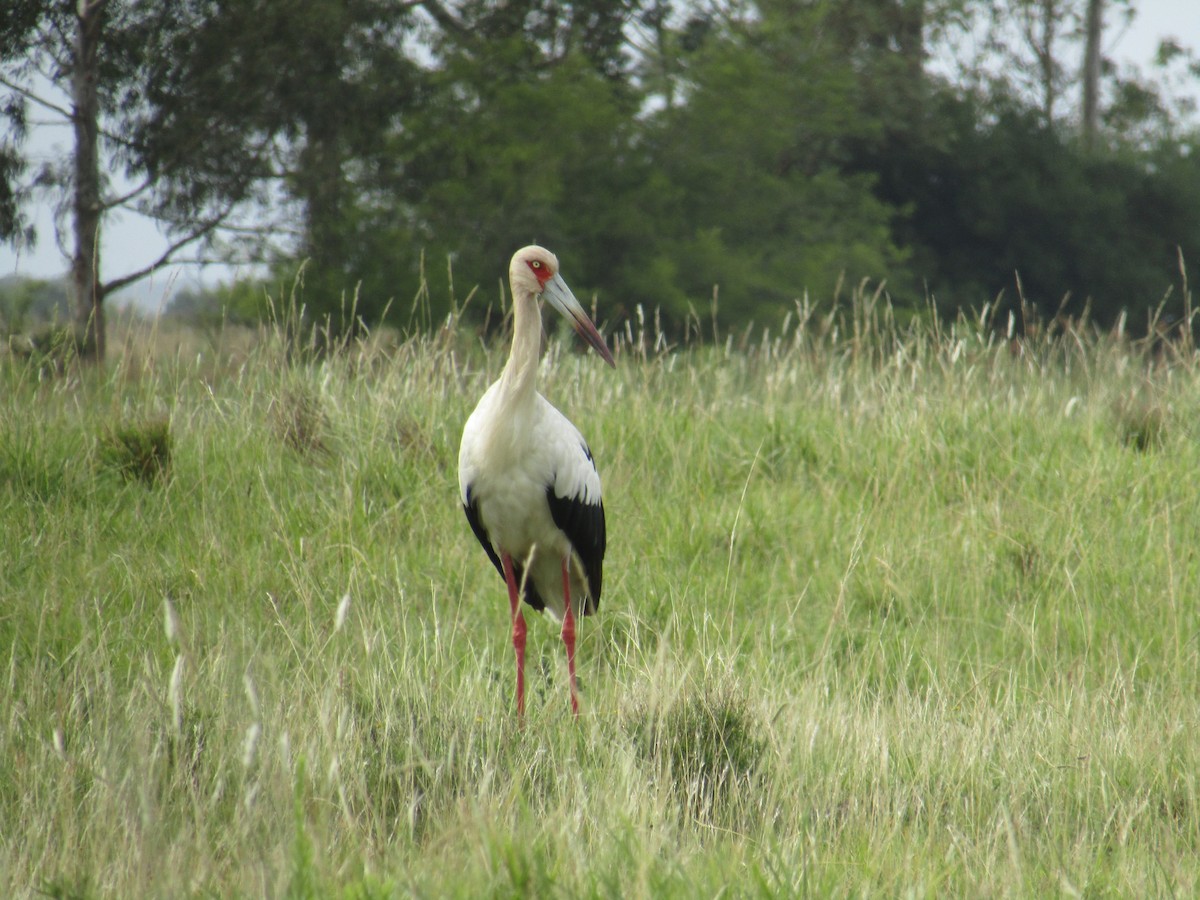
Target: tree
66,39
1008,198
1037,52
295,98
215,110
762,201
664,147
87,52
527,132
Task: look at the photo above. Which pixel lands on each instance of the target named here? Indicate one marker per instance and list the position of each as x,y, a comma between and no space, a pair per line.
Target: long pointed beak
560,297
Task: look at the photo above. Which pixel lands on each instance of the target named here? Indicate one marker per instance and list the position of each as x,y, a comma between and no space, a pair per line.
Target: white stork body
527,480
508,476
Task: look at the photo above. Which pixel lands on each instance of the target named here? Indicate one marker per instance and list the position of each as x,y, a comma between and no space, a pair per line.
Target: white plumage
528,483
509,474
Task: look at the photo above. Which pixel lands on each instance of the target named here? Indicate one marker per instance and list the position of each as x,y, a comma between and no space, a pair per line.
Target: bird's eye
536,264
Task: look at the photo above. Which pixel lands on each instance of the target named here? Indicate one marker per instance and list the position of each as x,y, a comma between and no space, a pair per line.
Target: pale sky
130,241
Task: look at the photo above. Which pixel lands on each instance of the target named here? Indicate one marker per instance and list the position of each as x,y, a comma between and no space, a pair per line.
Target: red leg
568,633
518,632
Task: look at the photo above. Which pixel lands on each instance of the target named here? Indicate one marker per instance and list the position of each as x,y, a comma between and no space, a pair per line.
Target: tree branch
204,228
125,198
259,230
62,111
36,98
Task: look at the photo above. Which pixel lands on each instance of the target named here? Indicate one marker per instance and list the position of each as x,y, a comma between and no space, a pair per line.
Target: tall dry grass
891,608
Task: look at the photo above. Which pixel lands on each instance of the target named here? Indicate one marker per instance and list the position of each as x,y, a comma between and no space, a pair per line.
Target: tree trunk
85,264
1046,60
1091,72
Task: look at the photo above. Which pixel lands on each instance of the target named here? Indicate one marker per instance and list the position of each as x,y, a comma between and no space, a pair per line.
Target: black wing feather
583,524
481,534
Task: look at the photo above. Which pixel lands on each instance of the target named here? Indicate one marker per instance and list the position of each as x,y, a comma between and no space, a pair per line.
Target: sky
130,242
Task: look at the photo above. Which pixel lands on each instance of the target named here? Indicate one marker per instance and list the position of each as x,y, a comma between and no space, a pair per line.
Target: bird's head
534,271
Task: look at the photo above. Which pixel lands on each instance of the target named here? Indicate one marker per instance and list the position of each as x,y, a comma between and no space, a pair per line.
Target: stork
527,480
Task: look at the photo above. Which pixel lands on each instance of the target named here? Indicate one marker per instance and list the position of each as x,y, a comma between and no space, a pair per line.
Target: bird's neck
520,374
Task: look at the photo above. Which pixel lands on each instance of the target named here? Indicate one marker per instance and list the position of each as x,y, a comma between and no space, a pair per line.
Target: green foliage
755,169
245,301
14,226
736,156
233,95
1010,207
51,349
504,151
26,302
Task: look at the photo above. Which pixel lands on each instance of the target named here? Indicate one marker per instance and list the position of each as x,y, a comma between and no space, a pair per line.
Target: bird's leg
568,633
518,632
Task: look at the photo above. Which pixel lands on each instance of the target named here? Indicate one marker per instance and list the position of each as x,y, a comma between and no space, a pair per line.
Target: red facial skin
540,271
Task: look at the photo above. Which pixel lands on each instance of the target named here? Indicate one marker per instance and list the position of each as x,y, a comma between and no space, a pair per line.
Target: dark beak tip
602,348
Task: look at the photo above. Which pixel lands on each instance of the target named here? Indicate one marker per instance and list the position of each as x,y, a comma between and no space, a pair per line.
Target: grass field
888,611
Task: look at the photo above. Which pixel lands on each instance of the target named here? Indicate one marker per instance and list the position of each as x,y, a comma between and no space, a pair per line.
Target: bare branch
260,230
125,198
201,261
222,225
200,231
36,98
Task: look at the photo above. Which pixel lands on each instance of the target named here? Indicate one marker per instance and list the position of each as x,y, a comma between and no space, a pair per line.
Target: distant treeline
673,154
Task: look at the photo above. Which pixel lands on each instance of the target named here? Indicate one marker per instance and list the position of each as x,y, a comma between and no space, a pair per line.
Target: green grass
888,611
